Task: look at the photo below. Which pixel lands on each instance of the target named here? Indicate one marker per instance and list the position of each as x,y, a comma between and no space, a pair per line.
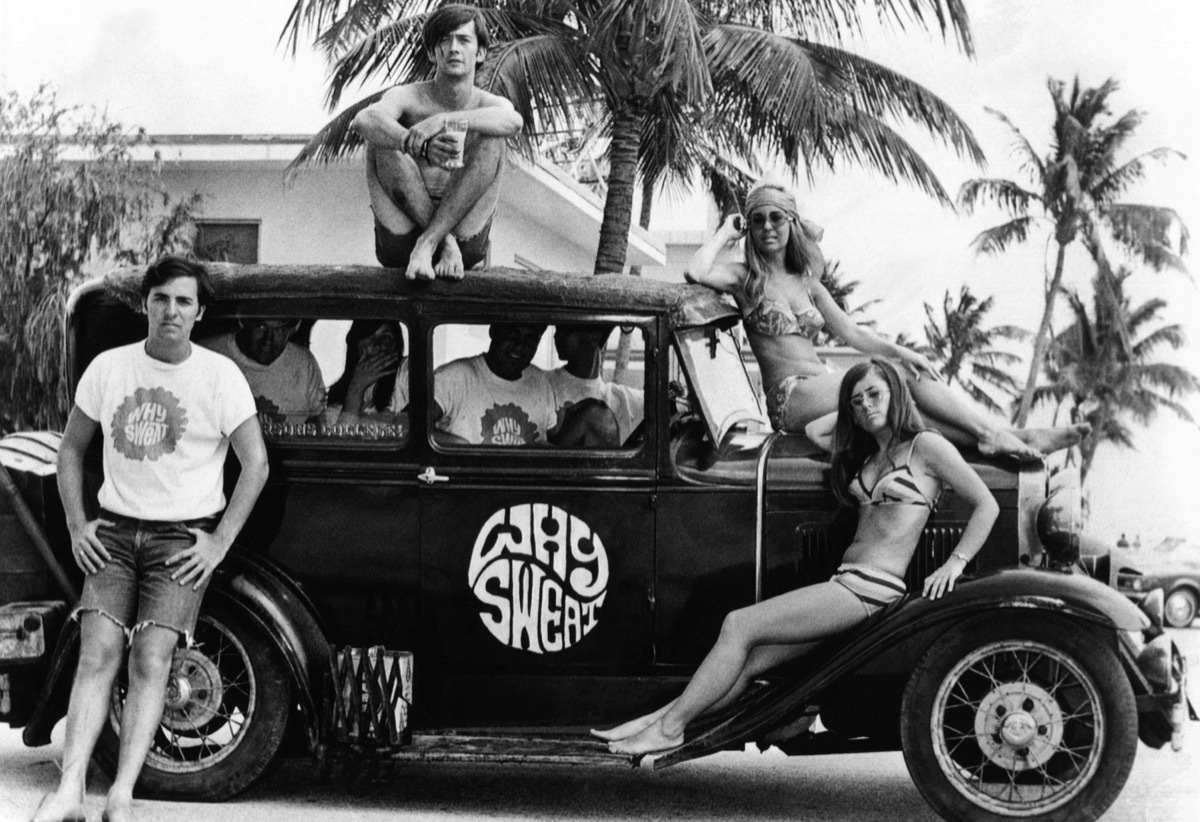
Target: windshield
713,359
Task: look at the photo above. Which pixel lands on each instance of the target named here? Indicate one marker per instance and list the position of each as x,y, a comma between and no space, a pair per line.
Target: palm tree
671,83
1104,382
1076,191
966,349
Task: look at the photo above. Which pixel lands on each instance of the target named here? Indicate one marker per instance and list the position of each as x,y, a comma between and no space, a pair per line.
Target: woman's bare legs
762,658
944,408
801,616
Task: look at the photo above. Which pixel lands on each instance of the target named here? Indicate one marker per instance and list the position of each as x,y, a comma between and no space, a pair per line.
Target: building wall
322,215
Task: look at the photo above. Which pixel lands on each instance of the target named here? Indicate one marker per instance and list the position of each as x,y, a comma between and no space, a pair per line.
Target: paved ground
1164,787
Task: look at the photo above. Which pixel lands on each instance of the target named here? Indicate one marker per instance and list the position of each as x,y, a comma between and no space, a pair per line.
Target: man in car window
284,376
435,150
498,397
578,386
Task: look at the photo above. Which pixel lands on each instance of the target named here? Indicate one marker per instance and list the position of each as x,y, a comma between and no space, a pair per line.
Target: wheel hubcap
1019,726
194,691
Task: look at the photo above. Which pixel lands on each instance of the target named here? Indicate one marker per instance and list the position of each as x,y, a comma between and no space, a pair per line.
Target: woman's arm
854,335
942,460
703,268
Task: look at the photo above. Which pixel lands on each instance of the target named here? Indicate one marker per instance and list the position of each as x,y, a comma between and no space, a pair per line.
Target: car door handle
429,476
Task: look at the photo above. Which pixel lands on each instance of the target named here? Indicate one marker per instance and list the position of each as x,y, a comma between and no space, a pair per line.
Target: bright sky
215,67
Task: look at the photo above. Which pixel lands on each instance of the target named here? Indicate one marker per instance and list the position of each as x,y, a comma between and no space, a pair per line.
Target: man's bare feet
55,807
633,726
1003,443
420,261
1049,440
648,740
118,809
450,264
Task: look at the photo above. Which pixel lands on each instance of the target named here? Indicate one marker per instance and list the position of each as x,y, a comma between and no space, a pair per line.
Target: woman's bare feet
1003,443
649,740
1049,440
633,726
55,807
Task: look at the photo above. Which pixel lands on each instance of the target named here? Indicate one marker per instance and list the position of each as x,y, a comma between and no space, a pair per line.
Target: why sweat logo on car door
540,575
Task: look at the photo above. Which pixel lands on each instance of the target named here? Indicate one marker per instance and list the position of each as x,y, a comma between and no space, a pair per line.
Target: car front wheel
1024,719
1180,608
227,705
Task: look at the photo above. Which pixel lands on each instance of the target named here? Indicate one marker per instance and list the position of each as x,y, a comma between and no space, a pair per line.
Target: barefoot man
426,207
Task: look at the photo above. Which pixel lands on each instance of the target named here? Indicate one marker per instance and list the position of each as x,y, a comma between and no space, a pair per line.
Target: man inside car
605,413
498,397
284,377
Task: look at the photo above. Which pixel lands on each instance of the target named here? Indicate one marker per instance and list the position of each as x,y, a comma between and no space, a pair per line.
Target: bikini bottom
875,589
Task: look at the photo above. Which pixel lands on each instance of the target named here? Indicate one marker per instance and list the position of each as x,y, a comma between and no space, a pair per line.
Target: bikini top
775,319
895,486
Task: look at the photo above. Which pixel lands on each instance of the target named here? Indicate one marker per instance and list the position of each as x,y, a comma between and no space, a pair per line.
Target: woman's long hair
359,331
852,446
794,259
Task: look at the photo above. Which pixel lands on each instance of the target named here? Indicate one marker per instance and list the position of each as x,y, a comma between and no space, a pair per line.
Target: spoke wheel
1019,721
224,715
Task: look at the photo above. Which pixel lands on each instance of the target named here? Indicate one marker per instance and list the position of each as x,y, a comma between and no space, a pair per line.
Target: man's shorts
394,250
134,588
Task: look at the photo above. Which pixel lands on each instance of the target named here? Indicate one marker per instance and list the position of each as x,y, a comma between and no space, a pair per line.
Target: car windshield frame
712,356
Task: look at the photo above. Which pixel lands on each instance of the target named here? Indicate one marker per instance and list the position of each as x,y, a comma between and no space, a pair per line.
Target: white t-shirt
290,389
166,429
627,404
485,409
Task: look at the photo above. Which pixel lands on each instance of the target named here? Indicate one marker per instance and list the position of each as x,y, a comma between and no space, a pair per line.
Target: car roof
684,305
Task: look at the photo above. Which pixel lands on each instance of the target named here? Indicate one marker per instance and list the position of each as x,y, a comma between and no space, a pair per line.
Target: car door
537,561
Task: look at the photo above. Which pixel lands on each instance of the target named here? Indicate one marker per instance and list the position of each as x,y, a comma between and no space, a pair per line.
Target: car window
567,385
322,379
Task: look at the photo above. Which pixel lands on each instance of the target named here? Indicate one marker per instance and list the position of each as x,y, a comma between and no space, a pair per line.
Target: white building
321,215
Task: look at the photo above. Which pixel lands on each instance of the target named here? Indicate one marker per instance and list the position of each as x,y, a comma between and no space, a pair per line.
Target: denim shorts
134,588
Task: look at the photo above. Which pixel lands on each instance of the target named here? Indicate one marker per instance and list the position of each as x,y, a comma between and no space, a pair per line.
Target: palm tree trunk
625,346
1041,343
618,205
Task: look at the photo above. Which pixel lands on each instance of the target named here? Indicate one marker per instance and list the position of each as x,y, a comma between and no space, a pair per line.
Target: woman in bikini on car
888,464
784,306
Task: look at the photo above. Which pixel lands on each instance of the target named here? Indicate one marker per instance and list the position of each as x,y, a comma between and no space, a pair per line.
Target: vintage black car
533,592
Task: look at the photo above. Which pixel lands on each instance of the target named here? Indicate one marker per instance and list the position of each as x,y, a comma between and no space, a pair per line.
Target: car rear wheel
1180,608
227,705
1031,720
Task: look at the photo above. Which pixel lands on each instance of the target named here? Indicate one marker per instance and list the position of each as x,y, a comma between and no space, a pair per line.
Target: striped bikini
896,486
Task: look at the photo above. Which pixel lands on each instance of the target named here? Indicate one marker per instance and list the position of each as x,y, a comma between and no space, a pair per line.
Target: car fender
896,638
263,591
269,595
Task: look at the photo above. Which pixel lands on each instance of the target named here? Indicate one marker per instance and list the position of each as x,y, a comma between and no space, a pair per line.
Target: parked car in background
525,593
1179,581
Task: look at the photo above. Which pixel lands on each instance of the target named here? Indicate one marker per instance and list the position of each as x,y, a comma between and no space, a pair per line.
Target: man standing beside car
435,151
168,411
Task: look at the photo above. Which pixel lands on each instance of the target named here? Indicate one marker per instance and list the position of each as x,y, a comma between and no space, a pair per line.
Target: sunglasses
872,396
776,218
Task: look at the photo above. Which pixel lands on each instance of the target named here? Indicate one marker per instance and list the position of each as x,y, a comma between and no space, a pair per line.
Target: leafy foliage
670,83
1075,191
1107,383
69,191
965,348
